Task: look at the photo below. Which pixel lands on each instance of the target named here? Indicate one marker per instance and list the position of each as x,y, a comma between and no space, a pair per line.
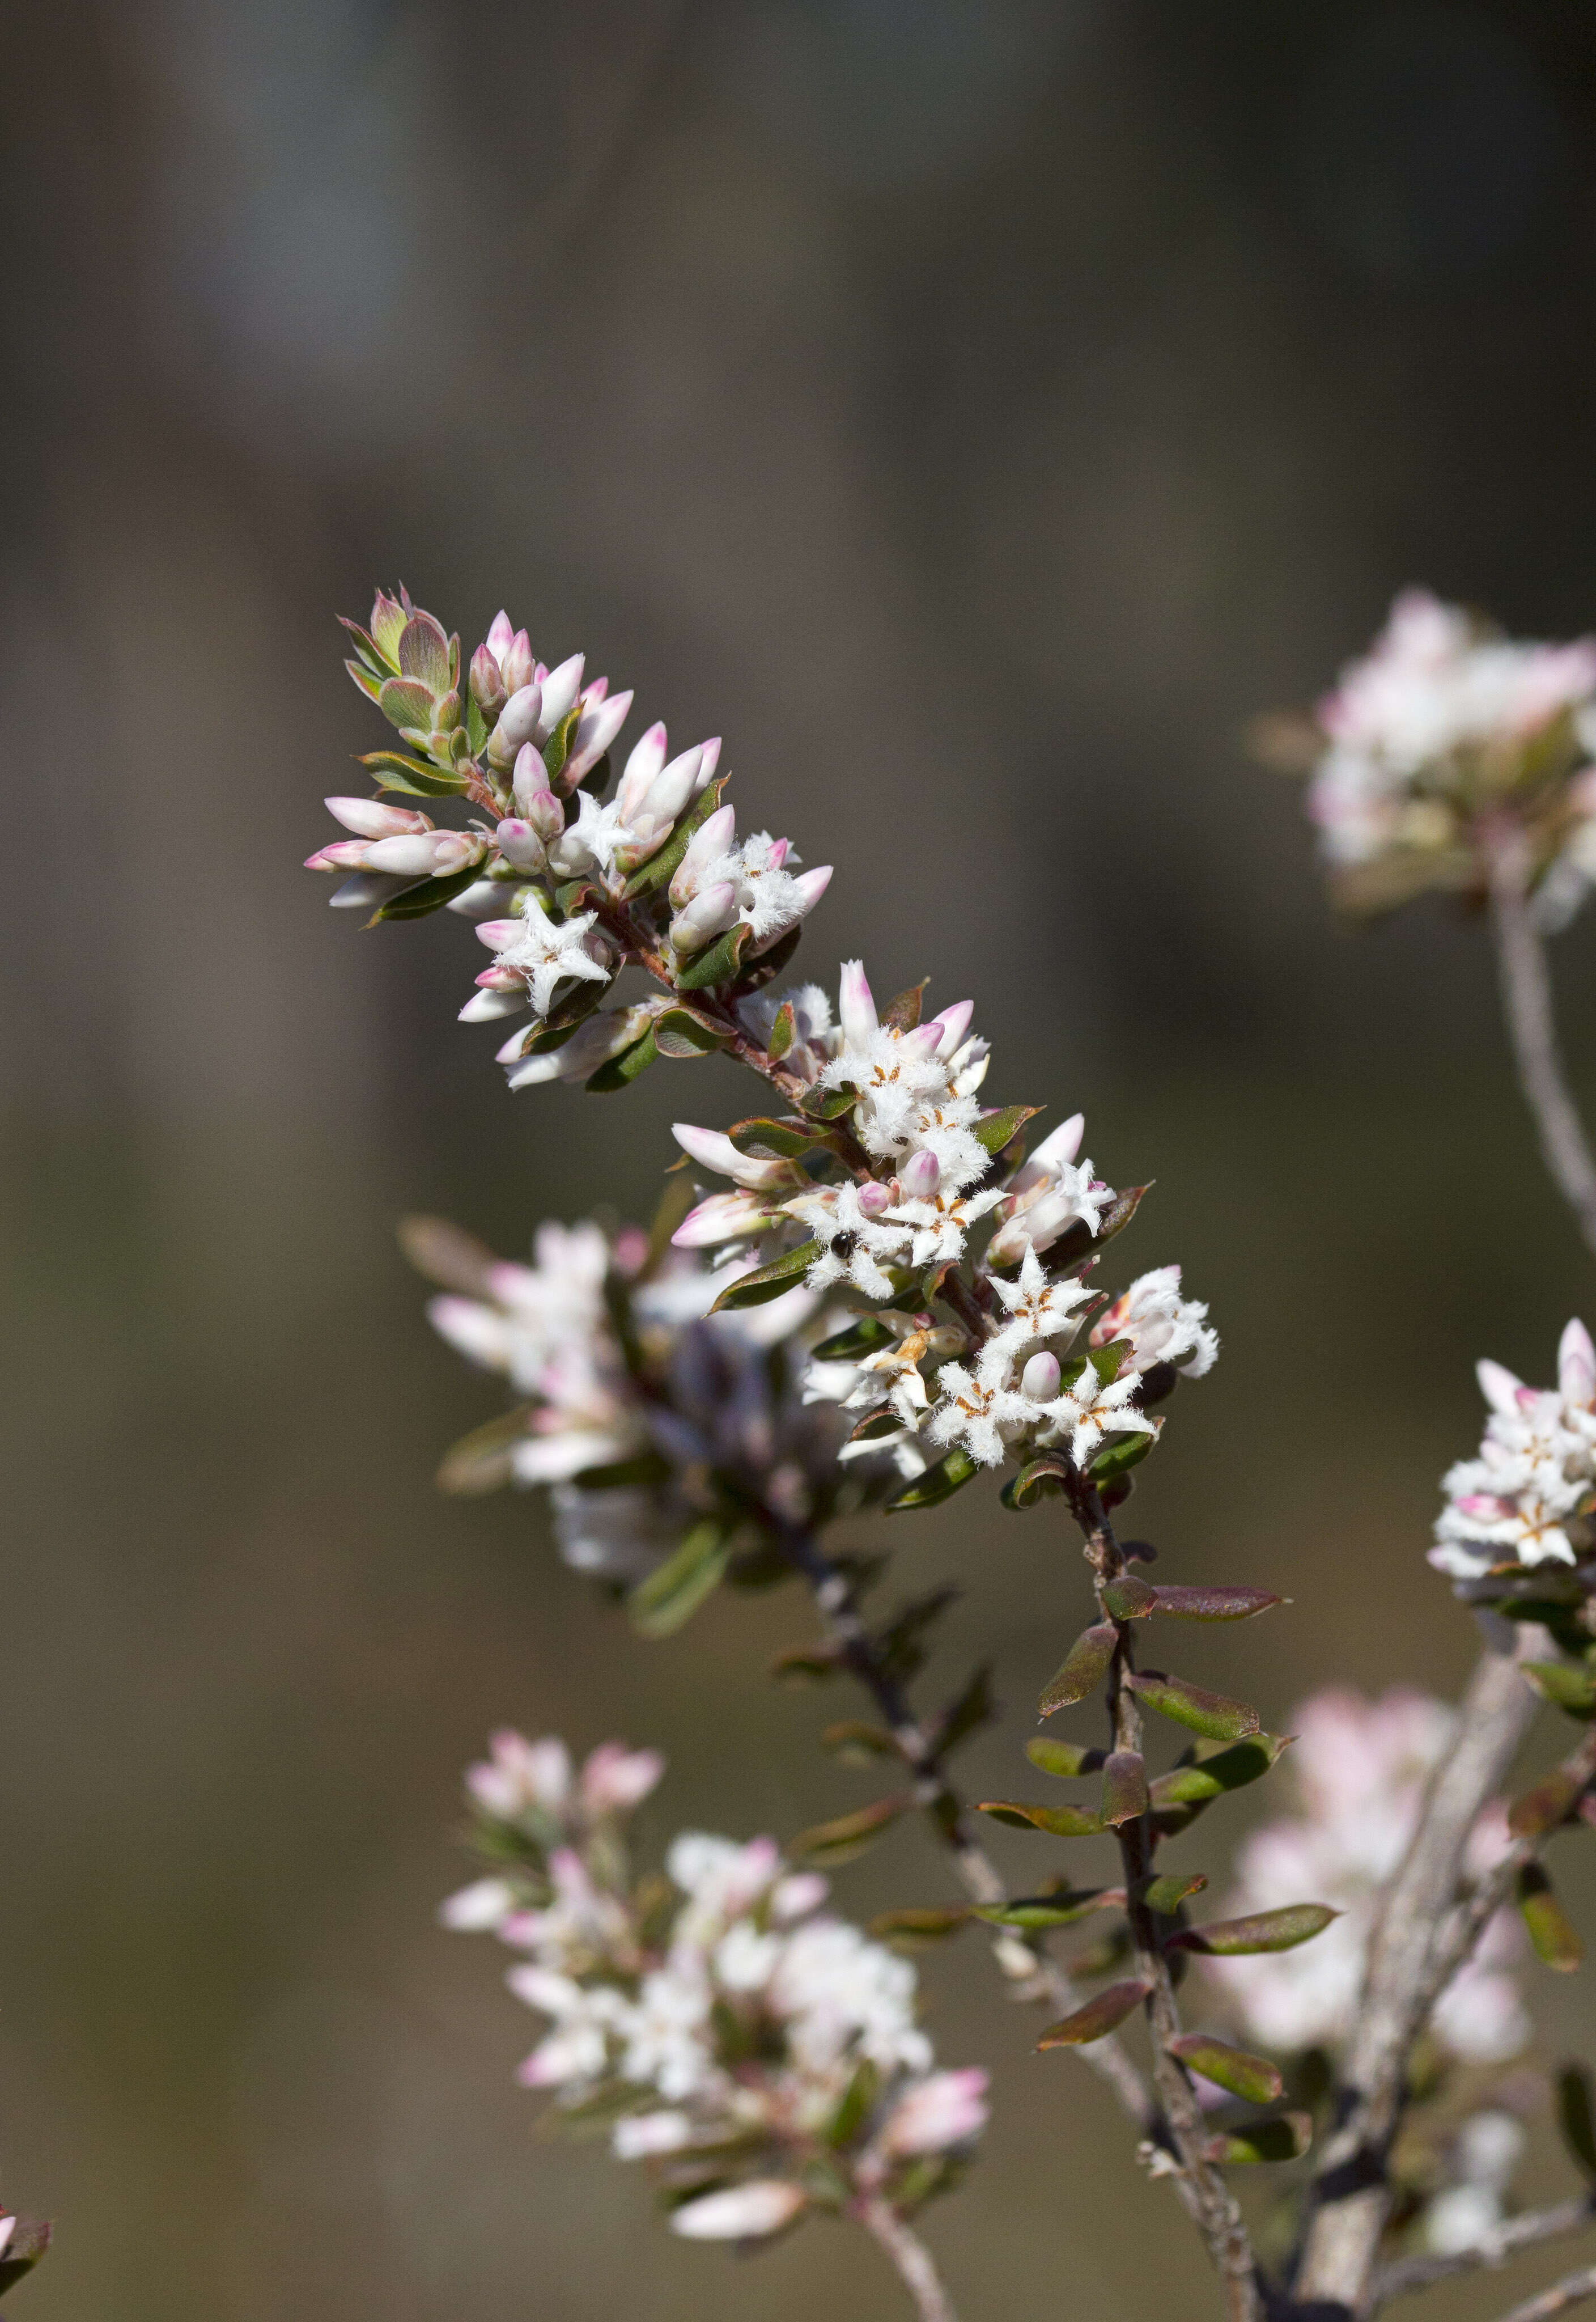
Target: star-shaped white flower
1039,1308
1088,1410
546,951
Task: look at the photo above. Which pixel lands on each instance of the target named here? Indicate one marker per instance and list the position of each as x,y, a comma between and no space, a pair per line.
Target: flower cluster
762,2055
646,1413
1526,1498
1361,1767
1442,730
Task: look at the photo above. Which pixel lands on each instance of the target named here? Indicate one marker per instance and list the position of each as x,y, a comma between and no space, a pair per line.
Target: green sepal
1252,2077
857,2103
1100,2016
1083,1670
951,1472
1193,1706
1286,2137
670,1595
767,1281
661,868
398,773
557,748
848,1835
1551,1930
1260,1931
1056,1822
416,903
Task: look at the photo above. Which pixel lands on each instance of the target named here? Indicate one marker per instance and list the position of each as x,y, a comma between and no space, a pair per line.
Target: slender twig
937,1794
1350,2200
1571,2290
1516,2234
1210,2201
1527,1003
909,2256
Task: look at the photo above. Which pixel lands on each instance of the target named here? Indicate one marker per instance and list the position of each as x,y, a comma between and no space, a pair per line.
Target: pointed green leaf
827,1104
1098,2017
407,703
863,1336
1125,1787
912,1930
903,1013
1035,1913
30,2238
672,1595
951,1472
1551,1930
1261,1930
1252,2077
1565,1688
423,653
681,1033
1118,1456
1286,2137
858,2102
661,868
1128,1596
719,964
810,1663
430,895
767,1281
783,1032
839,1840
1083,1669
1166,1895
619,1072
789,1140
398,772
1213,1603
1001,1129
1193,1706
646,1470
1228,1770
557,748
1037,1480
1057,1821
1574,2116
1066,1759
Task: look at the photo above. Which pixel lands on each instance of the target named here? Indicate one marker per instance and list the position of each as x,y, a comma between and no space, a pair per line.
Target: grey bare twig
1571,2290
1516,2234
1527,1003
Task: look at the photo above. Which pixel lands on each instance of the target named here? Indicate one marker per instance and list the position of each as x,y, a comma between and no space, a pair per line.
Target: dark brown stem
1527,1003
1515,2233
1350,2200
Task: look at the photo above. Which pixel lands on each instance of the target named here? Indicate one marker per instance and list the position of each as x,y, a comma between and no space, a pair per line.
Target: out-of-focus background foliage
976,410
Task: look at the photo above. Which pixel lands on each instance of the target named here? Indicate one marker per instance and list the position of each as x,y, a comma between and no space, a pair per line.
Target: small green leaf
661,868
481,1461
1574,2116
1286,2137
619,1072
719,964
828,1104
1261,1930
1228,1770
405,701
1037,1480
1098,2017
912,1930
1082,1670
1120,1211
431,895
1001,1129
1166,1895
670,1595
1128,1597
1213,1603
767,1281
1543,1807
1252,2077
557,748
648,1469
1035,1913
903,1013
1125,1787
858,2102
423,653
1551,1930
1565,1688
806,1663
951,1472
1057,1821
679,1034
1193,1706
852,1738
862,1337
1066,1759
1119,1455
789,1140
399,773
783,1032
837,1841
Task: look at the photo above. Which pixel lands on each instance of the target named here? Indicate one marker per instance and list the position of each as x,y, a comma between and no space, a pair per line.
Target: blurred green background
976,413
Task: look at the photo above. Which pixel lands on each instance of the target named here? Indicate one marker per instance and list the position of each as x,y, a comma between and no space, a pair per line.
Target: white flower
648,2133
1038,1307
915,1089
484,1904
1161,1326
547,951
744,2212
1093,1408
1047,1195
935,2114
519,1774
1524,1497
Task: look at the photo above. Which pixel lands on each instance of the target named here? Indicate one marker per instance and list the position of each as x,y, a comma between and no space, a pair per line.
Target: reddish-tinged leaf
911,1930
1287,2137
1193,1706
1129,1597
1252,2077
903,1013
1261,1930
849,1834
1098,2017
1551,1930
1057,1821
1542,1808
1166,1895
1214,1603
1125,1787
1084,1667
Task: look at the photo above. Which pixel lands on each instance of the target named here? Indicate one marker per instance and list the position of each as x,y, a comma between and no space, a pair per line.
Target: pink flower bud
519,844
500,630
1039,1380
946,2110
432,853
487,683
874,1200
595,729
343,854
956,1023
561,691
713,1149
713,909
707,765
544,812
810,885
373,818
721,1217
1576,1366
517,726
518,663
615,1778
487,1007
920,1176
741,2212
642,766
856,1006
713,838
501,979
